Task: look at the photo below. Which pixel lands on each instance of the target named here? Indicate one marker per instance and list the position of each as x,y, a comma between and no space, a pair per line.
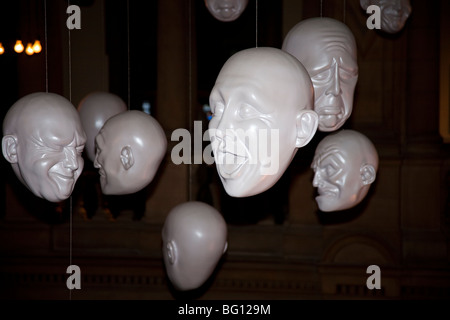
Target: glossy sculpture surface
194,239
327,49
94,110
43,139
262,113
345,165
129,150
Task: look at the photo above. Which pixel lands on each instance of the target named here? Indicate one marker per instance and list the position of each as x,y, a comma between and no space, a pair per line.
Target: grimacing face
344,167
50,142
260,98
394,13
226,10
330,58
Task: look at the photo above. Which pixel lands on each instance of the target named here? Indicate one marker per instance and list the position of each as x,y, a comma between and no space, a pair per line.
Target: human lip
63,177
327,192
230,164
330,110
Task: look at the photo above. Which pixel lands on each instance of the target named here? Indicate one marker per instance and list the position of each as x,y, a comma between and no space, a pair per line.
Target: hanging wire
45,46
70,198
321,5
344,10
128,55
256,24
190,92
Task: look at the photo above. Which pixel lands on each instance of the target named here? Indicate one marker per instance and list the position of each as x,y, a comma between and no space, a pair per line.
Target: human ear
368,174
225,247
126,157
171,250
9,148
306,125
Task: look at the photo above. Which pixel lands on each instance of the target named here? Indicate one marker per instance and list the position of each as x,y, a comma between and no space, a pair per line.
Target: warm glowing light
29,50
2,50
37,46
18,46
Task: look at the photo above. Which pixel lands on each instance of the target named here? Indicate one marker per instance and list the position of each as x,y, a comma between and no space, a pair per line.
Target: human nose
71,158
317,179
335,86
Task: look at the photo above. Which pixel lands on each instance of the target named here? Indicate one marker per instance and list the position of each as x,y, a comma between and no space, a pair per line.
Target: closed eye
247,111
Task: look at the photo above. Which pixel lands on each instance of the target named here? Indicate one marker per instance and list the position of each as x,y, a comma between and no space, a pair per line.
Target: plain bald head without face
327,49
259,92
43,139
94,110
345,165
129,151
194,239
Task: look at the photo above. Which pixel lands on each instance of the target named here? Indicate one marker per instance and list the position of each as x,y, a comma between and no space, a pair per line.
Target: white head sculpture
393,13
262,113
43,139
345,165
327,49
226,10
94,110
194,239
129,150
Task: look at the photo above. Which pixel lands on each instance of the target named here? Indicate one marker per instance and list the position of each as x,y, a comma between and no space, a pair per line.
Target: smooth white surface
129,150
94,110
194,239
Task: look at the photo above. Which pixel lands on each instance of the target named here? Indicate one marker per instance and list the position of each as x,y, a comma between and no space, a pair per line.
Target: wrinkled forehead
317,42
52,120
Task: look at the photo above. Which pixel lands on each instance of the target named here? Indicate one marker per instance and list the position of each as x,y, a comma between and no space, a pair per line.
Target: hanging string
321,8
128,54
190,89
344,10
45,46
256,24
70,198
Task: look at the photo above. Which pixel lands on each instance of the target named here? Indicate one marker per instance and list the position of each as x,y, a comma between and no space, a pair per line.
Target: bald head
129,150
327,49
259,92
194,238
345,165
43,139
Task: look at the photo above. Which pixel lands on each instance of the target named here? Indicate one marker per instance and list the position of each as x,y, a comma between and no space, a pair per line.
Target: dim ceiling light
37,46
2,50
29,50
18,47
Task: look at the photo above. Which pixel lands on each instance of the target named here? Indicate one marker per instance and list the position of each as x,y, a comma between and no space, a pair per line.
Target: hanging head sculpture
327,49
345,165
43,139
226,10
393,13
94,110
129,150
262,113
194,239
